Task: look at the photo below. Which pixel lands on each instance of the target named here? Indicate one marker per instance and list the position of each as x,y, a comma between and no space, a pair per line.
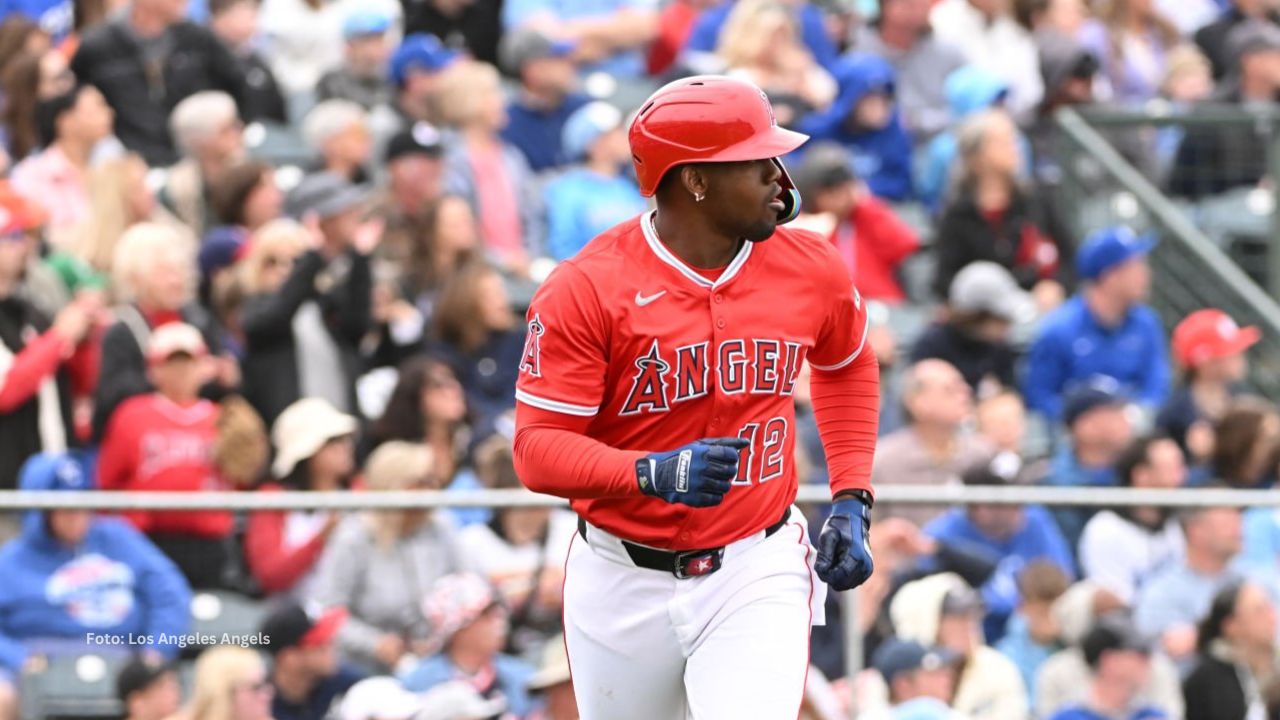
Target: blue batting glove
844,554
697,474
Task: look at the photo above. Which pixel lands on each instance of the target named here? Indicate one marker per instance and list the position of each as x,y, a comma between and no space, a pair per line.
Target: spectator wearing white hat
554,684
468,631
164,441
210,136
595,194
384,698
379,565
314,451
337,131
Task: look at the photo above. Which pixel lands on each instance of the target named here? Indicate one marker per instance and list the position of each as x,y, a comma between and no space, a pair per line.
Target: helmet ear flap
789,196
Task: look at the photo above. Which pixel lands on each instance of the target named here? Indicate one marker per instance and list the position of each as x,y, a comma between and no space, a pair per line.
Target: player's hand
844,552
697,474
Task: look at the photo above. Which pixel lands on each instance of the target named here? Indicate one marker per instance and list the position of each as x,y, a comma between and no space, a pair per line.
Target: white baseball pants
733,645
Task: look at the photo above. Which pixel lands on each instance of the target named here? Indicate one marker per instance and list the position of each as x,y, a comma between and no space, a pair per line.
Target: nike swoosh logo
641,300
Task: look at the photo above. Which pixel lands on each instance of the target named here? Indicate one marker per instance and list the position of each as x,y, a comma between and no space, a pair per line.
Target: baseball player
656,392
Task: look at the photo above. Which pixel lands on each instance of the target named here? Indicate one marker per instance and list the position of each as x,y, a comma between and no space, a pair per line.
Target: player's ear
694,180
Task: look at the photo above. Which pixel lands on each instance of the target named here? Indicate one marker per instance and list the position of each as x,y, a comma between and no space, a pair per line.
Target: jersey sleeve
844,331
563,366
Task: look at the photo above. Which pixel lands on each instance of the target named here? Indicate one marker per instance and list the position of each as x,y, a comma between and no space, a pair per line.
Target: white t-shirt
1119,555
501,561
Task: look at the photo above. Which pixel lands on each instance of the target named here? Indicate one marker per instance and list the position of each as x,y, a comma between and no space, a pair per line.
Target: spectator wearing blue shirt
469,628
597,194
1011,535
71,575
865,119
1103,330
1099,430
1176,598
547,95
810,19
610,34
1034,632
1119,661
305,671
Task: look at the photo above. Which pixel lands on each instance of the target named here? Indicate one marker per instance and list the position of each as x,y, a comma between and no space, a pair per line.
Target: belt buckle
697,563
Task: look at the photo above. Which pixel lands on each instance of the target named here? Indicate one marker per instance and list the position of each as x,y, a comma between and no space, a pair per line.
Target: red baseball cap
1210,334
17,213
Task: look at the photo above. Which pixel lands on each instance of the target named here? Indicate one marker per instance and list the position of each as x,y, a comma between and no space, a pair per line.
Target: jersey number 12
766,454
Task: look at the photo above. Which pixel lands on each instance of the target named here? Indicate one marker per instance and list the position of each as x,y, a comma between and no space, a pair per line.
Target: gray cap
825,165
987,287
1252,36
324,193
527,45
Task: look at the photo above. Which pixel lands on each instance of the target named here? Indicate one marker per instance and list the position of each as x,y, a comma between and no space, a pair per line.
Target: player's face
742,197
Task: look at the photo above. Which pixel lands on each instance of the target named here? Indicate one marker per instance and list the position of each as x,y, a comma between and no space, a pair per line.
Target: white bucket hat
303,428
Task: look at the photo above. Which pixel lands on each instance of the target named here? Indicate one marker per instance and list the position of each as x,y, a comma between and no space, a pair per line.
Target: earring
699,197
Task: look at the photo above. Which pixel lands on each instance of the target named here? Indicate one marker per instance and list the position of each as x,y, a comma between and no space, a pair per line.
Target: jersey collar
668,257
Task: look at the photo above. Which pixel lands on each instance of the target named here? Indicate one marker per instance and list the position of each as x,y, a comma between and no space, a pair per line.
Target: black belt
681,563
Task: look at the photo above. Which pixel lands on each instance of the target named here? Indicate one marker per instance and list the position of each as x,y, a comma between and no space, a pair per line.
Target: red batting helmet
709,118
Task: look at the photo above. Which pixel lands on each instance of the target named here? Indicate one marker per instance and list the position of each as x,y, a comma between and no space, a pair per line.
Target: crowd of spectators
281,246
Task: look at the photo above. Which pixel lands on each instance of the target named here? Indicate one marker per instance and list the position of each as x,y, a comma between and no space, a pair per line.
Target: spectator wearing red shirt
870,237
164,441
42,363
314,451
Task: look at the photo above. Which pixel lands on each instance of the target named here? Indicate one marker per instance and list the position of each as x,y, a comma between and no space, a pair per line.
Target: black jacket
271,381
1213,691
262,100
1213,159
110,59
974,358
20,428
477,26
123,370
965,236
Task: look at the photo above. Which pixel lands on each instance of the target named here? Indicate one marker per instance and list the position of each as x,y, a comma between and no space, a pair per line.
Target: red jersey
657,355
152,443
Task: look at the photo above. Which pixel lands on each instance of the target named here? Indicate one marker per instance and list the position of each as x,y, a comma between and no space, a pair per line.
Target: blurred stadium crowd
285,245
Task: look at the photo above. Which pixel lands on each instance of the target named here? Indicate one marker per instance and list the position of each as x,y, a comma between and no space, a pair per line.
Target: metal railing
1191,271
15,500
809,494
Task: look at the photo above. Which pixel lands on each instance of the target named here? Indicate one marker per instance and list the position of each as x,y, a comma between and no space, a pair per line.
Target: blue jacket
969,90
513,675
536,132
1073,346
705,36
582,204
1037,539
115,583
1018,645
881,157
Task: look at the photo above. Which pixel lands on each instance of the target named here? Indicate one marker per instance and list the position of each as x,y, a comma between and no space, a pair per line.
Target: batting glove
844,554
697,474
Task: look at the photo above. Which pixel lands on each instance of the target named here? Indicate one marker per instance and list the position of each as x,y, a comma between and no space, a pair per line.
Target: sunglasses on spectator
272,262
13,237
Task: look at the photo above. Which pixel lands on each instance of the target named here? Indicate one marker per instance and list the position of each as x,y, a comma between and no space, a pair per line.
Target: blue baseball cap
1108,248
1091,394
420,51
585,125
897,656
365,21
